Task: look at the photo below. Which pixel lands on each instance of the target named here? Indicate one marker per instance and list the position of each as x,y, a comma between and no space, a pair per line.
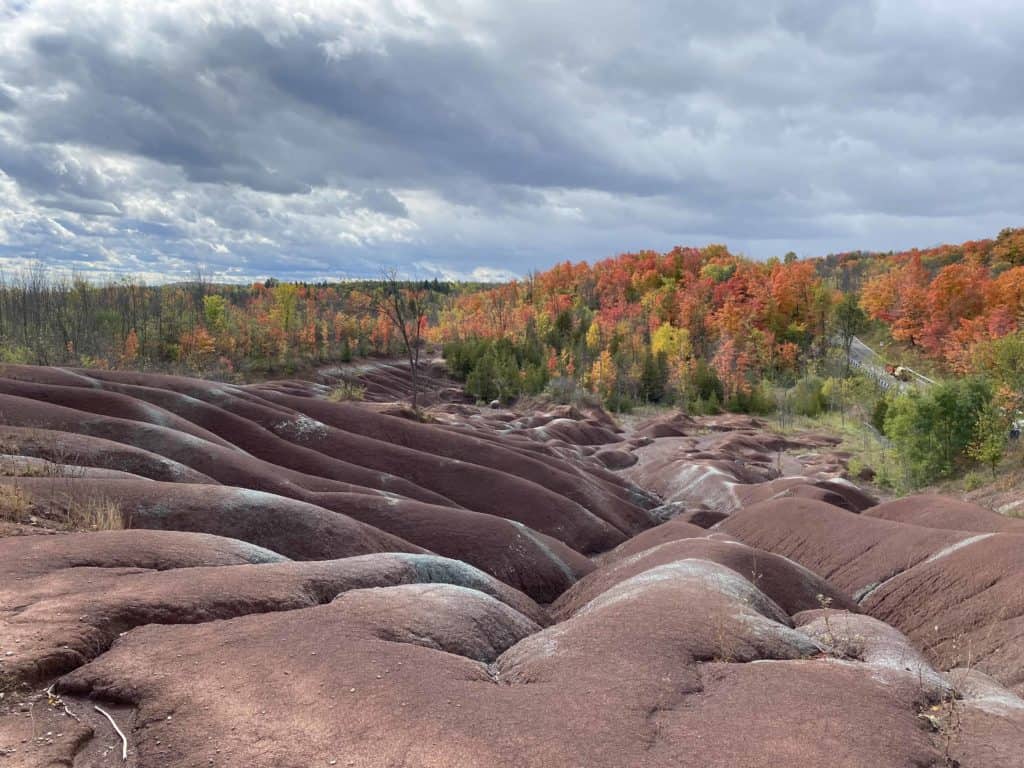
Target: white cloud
322,138
428,270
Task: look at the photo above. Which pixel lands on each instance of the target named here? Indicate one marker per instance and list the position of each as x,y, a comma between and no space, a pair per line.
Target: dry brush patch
346,392
15,504
64,511
96,513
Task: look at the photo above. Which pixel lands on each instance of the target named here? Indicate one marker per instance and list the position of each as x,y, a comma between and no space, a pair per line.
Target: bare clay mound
75,594
301,583
650,671
357,482
935,511
704,464
291,528
959,594
417,474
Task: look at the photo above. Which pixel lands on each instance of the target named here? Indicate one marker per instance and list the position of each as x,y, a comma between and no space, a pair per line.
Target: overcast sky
484,138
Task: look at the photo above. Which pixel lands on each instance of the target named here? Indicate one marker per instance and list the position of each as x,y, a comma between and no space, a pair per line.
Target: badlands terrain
289,581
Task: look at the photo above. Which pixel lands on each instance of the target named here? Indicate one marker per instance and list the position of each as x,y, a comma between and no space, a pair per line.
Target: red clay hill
280,580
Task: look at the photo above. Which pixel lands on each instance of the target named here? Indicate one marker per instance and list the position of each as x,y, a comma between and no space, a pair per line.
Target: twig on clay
53,700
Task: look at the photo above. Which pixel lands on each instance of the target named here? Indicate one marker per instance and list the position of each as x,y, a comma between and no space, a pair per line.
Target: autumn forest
699,328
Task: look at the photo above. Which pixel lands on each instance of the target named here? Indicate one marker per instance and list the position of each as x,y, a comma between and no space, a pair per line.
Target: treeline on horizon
198,327
690,314
700,328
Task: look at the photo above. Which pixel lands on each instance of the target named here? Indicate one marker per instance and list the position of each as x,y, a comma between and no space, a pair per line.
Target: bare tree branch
405,308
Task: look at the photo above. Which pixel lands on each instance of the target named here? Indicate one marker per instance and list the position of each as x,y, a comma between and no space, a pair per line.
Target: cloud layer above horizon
480,139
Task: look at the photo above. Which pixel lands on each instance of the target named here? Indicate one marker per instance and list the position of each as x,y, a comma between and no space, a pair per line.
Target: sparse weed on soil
60,511
347,392
94,514
15,504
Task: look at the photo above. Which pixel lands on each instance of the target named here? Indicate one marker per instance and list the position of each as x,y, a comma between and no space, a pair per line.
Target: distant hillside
947,302
849,271
693,325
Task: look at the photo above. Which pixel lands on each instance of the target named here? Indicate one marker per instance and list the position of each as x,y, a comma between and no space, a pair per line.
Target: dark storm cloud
324,138
382,201
420,110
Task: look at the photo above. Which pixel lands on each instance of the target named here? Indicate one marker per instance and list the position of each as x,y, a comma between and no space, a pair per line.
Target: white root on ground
124,739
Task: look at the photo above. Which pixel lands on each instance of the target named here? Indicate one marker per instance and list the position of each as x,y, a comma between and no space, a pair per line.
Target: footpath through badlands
286,581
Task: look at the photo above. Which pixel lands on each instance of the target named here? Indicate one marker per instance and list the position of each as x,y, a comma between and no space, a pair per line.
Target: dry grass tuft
346,392
15,504
94,514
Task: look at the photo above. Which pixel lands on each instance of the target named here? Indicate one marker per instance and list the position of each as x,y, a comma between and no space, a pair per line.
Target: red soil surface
297,582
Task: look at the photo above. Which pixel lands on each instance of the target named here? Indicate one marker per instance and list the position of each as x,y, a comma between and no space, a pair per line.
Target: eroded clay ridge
301,582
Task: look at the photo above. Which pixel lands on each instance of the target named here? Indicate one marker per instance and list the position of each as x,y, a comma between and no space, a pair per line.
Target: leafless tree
405,307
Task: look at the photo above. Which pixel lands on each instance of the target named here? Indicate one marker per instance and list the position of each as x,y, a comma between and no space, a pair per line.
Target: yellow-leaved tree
674,343
602,375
